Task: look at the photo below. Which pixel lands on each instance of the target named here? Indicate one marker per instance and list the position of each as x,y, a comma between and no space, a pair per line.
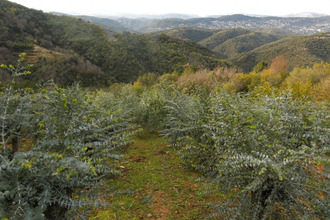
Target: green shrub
267,153
70,147
184,128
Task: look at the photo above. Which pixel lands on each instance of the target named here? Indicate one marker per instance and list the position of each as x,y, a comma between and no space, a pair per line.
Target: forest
100,124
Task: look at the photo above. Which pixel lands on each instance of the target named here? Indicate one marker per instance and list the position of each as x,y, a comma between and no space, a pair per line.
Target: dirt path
162,188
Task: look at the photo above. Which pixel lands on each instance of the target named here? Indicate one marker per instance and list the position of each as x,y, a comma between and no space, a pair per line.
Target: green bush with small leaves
268,153
57,146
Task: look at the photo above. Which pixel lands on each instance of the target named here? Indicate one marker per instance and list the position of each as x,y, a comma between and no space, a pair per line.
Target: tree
260,66
279,64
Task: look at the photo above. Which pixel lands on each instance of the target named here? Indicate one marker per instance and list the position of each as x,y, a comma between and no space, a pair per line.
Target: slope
194,34
46,39
108,24
222,36
244,43
121,59
298,50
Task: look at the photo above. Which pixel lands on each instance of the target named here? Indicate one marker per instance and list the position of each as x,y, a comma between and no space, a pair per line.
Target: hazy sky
201,7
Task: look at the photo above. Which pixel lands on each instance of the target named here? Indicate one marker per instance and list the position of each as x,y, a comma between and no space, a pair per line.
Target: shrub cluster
267,147
56,147
268,152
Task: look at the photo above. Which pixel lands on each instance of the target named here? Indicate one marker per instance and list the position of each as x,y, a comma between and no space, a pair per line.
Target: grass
161,187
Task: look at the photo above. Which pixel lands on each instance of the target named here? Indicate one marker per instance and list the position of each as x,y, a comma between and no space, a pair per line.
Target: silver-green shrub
56,148
268,153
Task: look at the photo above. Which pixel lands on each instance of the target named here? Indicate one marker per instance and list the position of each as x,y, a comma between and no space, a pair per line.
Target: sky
191,7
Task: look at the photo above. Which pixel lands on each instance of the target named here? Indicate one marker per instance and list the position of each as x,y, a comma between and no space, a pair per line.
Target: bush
267,153
304,82
70,147
206,79
239,83
184,128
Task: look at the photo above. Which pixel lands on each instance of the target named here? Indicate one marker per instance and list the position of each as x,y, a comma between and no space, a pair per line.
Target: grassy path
162,189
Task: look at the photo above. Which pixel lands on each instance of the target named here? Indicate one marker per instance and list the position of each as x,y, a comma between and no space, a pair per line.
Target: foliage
69,146
12,103
309,81
260,66
147,104
43,37
186,116
205,79
302,82
242,82
146,80
191,81
267,151
152,112
66,71
279,64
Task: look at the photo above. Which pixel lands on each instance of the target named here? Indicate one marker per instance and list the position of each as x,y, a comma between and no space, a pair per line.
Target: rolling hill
244,43
229,42
108,24
222,36
87,53
298,50
246,48
193,34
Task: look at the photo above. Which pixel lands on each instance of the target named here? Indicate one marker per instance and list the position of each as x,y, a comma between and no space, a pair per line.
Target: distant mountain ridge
297,25
190,16
306,15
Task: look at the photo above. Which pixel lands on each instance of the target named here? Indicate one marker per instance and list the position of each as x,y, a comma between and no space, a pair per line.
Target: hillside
246,48
298,50
244,43
222,36
131,55
193,34
46,39
109,25
121,59
228,42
